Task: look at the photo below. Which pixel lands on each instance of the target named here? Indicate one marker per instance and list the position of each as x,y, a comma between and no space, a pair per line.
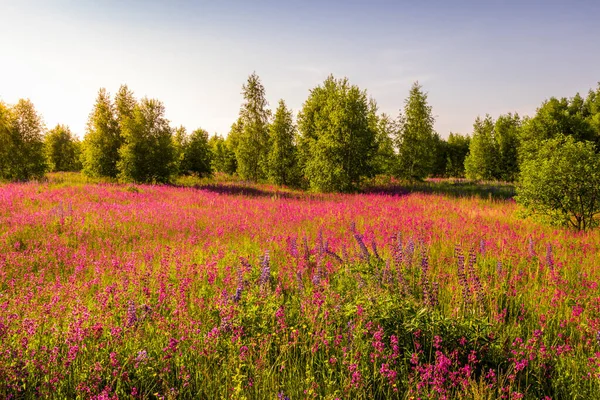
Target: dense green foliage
102,139
569,117
63,149
283,164
252,150
416,136
385,159
493,149
337,141
197,154
148,152
22,154
223,157
562,182
456,150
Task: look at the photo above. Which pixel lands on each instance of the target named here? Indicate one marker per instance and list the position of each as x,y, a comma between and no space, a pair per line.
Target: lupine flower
531,247
549,257
462,277
265,272
282,396
142,356
131,314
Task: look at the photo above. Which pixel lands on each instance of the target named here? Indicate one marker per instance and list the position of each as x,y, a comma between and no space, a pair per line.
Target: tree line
337,140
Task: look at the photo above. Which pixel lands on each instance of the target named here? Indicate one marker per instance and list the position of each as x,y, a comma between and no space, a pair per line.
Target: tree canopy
337,142
561,182
416,136
63,149
22,155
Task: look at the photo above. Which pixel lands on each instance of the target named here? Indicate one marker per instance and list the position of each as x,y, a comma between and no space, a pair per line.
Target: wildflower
374,248
549,257
531,247
238,294
265,273
243,352
293,246
282,396
355,375
131,314
316,279
142,356
424,279
299,281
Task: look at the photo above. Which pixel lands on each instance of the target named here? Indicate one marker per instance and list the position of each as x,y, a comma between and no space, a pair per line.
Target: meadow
233,291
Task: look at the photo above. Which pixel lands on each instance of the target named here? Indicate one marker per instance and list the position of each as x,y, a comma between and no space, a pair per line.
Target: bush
561,183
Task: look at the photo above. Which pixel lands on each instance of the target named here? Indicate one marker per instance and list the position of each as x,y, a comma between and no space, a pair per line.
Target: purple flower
131,314
265,273
549,256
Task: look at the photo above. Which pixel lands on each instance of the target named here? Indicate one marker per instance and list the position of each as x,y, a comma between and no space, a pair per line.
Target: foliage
557,117
102,140
457,149
562,183
385,159
63,149
506,135
197,154
252,148
283,164
337,143
493,149
124,105
21,142
180,141
482,160
223,156
416,136
148,153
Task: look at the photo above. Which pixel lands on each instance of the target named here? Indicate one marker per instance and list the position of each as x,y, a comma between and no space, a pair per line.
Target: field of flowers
116,291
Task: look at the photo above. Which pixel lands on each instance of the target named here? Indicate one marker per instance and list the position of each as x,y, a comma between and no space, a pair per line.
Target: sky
471,57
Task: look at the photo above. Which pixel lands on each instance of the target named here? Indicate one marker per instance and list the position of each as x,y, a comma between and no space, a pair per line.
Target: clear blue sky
472,57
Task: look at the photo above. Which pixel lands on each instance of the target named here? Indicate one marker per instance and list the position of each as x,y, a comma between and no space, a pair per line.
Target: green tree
561,183
180,141
148,153
506,135
592,111
416,136
63,149
197,154
457,149
283,166
483,159
556,117
22,154
384,160
223,156
124,105
337,142
440,156
102,140
252,150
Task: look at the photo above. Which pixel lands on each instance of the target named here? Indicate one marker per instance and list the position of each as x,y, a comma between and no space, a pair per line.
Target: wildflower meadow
114,291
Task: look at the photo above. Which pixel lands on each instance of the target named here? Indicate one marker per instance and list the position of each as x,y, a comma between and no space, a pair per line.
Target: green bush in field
561,183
